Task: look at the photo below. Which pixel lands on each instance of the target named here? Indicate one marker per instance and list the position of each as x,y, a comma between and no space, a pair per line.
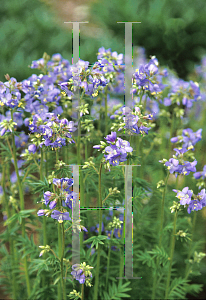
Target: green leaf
117,292
95,240
11,219
57,280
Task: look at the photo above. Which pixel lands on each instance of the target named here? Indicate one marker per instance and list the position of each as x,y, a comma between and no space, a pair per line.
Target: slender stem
160,238
54,254
171,133
190,247
44,218
36,164
99,246
14,248
82,298
140,97
82,204
122,255
106,198
6,206
172,247
150,149
62,267
142,159
79,132
21,196
162,210
46,165
61,239
43,205
60,256
26,174
106,117
66,273
99,121
108,259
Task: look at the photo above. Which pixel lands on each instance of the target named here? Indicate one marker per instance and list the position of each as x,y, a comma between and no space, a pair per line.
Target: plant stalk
108,260
172,247
190,247
82,298
160,238
95,297
11,245
21,196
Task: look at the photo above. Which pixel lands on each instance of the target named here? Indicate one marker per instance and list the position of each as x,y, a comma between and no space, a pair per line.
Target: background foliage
174,31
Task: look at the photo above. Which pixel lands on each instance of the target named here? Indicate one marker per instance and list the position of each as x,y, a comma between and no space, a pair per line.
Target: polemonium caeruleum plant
39,117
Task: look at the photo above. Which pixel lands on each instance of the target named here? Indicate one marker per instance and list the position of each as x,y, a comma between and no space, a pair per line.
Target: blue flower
60,216
185,195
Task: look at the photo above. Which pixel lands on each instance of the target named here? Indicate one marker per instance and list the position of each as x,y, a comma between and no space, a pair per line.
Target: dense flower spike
193,202
134,122
50,131
81,272
144,78
188,138
117,151
202,174
62,198
10,95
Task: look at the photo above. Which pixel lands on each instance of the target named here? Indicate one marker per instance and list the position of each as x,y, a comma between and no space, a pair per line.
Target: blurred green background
174,31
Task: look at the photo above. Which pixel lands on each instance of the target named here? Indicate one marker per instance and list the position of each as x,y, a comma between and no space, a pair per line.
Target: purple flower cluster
135,122
185,168
202,174
82,273
143,78
53,132
188,138
182,92
107,69
117,149
193,202
64,198
10,95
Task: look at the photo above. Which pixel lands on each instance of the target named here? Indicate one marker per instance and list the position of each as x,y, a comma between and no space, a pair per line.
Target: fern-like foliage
178,288
159,253
117,292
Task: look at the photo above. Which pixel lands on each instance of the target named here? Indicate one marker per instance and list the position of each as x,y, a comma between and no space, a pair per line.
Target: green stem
6,206
59,287
142,159
160,238
172,247
82,204
108,259
44,218
106,117
14,248
60,255
79,132
122,259
46,165
140,97
62,266
82,298
21,196
43,205
190,247
99,246
99,121
162,210
171,133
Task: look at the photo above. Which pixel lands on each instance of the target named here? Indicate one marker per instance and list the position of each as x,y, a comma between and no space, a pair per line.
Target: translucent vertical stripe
128,223
75,218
